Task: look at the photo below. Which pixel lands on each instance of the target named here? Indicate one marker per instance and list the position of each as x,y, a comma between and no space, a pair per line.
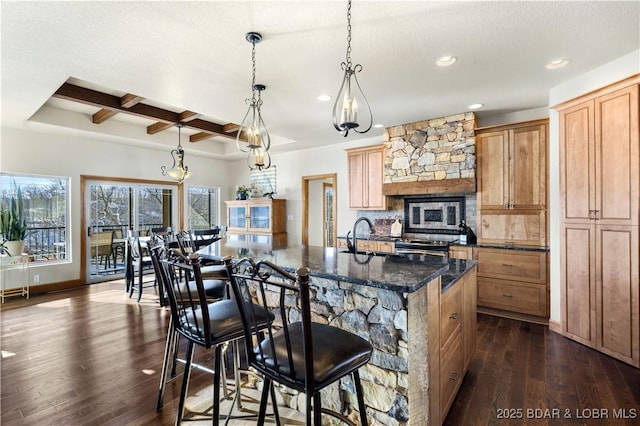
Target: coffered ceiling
190,60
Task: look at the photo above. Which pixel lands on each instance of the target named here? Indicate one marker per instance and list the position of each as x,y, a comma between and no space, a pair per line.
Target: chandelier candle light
350,97
253,129
178,170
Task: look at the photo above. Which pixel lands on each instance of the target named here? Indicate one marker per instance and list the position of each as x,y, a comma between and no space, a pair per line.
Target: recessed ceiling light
324,98
558,63
378,126
445,61
475,106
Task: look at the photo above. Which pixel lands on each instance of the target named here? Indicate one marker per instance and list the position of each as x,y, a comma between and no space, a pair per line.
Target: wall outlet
290,217
36,278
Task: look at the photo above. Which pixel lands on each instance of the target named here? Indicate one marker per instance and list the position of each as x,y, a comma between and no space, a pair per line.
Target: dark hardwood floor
92,357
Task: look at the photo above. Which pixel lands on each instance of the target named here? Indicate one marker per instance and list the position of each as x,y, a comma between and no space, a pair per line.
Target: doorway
112,208
319,210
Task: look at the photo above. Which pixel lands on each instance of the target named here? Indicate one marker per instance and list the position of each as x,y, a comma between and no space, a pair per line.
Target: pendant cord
253,64
349,34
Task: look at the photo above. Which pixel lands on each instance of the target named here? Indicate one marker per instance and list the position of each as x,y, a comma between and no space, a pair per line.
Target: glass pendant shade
253,133
351,110
178,170
348,111
259,159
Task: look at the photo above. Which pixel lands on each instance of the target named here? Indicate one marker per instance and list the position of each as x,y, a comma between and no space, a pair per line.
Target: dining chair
204,237
201,322
137,260
102,247
294,351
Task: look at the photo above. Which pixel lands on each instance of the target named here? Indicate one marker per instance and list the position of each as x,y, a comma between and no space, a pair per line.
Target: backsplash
383,219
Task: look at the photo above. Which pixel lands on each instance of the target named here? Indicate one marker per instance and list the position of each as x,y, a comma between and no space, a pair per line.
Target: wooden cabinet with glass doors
258,216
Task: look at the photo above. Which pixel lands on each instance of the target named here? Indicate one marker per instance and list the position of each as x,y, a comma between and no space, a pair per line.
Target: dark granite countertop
503,247
405,273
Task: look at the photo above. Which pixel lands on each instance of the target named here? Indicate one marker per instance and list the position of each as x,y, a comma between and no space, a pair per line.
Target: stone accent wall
379,316
435,149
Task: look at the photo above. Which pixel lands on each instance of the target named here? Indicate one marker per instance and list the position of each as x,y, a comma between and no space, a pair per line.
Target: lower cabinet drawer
451,373
519,297
450,315
386,247
528,266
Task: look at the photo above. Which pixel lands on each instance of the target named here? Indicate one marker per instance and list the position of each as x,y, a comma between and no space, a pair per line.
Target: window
46,209
203,207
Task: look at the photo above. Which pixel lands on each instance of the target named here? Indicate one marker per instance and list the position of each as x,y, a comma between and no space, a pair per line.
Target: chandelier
178,170
350,98
253,136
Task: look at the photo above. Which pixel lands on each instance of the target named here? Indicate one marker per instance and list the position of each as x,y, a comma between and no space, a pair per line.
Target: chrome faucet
372,230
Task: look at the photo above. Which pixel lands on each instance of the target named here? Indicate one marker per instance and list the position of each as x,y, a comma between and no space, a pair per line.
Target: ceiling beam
161,116
126,101
185,117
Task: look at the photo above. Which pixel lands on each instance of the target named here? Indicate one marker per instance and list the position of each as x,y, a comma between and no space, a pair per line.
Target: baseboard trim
555,326
62,285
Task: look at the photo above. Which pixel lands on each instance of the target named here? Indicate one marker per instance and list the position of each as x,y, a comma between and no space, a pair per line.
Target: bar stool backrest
187,298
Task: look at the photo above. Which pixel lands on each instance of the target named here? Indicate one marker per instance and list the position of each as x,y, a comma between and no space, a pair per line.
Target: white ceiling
194,56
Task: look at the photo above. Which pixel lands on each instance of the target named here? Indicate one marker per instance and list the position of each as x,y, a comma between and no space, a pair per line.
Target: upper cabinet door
600,159
527,167
617,143
493,170
577,163
366,172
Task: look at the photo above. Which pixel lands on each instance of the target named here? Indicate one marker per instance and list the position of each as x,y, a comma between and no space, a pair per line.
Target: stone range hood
435,156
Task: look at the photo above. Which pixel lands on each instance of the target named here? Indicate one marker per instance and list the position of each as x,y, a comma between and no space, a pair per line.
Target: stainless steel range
432,247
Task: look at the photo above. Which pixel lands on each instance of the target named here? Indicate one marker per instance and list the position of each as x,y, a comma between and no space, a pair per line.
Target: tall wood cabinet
512,183
366,172
600,193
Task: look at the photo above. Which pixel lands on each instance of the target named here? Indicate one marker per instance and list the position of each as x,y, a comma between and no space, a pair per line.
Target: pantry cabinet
366,172
600,193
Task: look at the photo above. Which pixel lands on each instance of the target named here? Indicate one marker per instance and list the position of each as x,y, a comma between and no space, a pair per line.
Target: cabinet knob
454,376
454,316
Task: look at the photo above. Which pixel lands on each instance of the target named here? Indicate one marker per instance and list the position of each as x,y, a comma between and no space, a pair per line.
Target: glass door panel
260,218
237,217
108,214
114,208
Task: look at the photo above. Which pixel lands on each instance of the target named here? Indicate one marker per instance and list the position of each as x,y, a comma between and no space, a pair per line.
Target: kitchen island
418,312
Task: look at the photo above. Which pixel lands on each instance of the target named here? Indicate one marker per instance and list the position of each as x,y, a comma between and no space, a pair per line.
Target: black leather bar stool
296,352
209,325
213,289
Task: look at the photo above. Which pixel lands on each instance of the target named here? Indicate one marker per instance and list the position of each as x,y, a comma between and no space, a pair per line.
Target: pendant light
178,170
253,136
350,99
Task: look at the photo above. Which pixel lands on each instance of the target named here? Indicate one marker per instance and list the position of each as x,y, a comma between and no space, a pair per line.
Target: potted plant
13,225
242,192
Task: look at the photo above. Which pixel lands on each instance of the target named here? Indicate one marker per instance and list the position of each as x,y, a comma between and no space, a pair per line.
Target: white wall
292,166
42,151
611,72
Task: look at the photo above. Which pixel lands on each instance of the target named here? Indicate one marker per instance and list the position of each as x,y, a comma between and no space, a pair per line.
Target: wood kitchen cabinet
512,184
257,216
513,281
452,322
366,172
599,190
512,166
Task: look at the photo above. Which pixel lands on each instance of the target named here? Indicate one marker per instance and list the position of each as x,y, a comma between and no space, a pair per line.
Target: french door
112,210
